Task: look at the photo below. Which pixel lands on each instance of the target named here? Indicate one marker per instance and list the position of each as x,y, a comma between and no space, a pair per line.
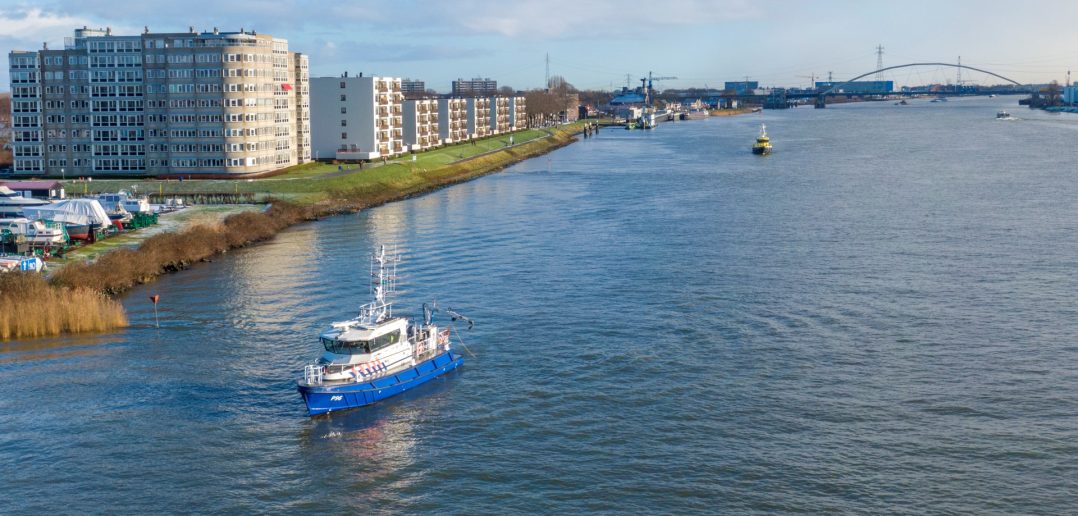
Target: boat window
386,340
342,347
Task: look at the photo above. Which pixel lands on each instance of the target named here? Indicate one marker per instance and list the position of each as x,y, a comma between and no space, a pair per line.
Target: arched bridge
820,99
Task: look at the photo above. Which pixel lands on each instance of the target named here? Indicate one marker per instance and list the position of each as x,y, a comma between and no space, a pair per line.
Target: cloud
34,23
596,18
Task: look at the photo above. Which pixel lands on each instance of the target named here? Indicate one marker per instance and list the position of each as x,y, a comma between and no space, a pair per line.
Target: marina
48,228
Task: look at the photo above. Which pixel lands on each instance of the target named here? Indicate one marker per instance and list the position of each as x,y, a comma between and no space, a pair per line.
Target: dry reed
30,307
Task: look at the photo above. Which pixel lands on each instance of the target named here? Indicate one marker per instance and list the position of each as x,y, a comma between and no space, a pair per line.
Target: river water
879,317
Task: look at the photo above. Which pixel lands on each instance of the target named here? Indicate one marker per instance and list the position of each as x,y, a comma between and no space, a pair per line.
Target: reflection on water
49,348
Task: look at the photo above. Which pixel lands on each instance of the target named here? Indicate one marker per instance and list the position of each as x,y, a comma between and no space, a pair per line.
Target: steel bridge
822,96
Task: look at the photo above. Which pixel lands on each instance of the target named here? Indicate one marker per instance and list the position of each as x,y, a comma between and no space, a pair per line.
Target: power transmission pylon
879,62
547,83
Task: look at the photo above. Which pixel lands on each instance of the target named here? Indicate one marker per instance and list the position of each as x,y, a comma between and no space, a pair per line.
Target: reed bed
119,270
30,307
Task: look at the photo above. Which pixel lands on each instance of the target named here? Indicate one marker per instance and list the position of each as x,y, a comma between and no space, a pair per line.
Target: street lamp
63,174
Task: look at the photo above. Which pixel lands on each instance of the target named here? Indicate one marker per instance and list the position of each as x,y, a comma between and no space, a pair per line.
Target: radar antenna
383,282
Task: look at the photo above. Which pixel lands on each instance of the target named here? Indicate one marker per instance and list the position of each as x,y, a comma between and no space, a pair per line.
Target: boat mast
383,282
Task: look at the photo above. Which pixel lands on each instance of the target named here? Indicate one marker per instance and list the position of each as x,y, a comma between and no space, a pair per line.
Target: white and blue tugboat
376,355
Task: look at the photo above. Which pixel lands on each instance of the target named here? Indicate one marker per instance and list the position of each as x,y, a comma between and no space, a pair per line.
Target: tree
558,85
506,91
1052,94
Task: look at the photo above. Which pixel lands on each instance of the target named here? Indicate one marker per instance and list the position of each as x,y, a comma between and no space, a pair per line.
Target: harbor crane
646,85
811,78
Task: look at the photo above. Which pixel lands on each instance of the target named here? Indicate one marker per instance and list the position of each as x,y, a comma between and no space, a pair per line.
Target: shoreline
116,271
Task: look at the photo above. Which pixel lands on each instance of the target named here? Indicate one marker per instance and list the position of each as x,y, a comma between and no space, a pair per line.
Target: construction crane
646,85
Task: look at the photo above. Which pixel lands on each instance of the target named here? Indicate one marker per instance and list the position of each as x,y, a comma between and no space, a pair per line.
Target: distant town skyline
600,44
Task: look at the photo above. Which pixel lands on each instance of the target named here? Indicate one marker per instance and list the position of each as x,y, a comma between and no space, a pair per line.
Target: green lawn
310,181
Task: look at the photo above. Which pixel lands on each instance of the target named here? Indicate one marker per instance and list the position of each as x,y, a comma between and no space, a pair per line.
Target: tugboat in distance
376,355
763,143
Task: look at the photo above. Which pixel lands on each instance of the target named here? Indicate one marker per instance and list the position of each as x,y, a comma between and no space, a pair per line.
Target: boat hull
78,231
761,150
326,398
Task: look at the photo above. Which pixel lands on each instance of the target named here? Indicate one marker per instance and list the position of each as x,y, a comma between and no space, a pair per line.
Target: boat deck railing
312,374
425,350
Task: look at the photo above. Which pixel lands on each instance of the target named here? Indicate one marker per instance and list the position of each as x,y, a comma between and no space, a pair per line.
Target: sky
594,44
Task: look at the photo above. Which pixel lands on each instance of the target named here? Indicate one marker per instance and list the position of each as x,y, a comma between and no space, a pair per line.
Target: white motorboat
12,204
36,232
130,203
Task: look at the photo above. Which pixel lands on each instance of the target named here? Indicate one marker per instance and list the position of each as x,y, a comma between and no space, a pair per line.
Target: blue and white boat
376,355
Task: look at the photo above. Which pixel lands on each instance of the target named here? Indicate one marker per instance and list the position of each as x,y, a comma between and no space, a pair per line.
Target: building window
344,110
344,123
342,98
342,85
344,136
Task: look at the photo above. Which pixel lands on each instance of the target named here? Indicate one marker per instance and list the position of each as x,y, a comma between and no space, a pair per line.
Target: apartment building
475,87
452,124
518,113
499,115
478,116
185,103
413,89
356,117
421,124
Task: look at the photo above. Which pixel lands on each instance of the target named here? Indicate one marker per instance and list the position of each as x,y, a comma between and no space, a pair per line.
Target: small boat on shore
77,215
376,355
129,203
36,232
763,142
12,204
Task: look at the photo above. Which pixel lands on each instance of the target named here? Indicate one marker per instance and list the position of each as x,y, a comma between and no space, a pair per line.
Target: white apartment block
179,104
421,124
452,126
356,117
518,113
499,115
478,116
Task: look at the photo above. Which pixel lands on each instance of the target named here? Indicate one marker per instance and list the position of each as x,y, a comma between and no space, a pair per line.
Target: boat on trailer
376,355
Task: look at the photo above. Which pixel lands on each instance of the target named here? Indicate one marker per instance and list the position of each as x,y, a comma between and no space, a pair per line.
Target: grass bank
315,194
